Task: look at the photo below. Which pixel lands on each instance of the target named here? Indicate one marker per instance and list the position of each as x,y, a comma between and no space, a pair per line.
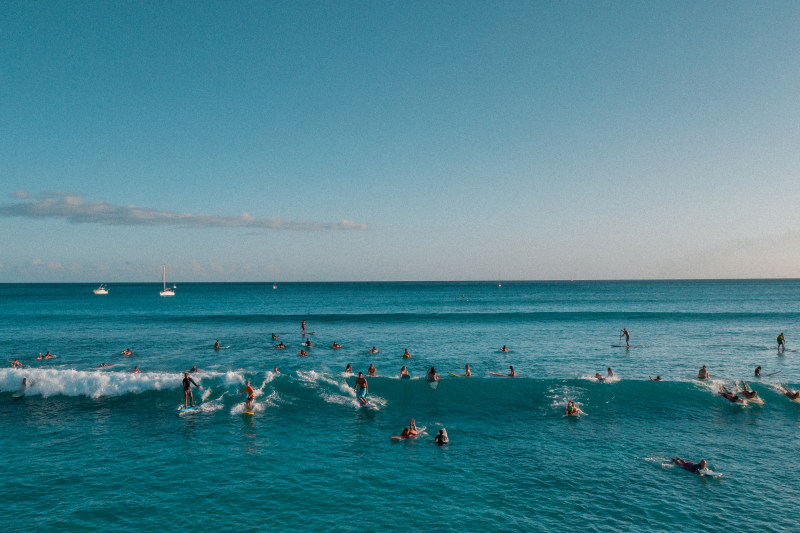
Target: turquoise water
90,449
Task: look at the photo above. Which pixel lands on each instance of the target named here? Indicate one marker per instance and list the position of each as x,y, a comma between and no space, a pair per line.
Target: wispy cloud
76,210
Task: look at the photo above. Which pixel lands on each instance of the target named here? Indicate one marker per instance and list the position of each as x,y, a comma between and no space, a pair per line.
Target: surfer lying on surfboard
695,468
728,395
572,410
792,395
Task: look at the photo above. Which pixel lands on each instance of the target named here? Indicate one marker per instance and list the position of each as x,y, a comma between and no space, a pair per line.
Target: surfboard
772,374
405,376
18,394
187,409
623,346
397,437
503,375
755,399
434,384
709,473
247,413
457,375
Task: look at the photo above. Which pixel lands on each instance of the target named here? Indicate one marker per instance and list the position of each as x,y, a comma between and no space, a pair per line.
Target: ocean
91,448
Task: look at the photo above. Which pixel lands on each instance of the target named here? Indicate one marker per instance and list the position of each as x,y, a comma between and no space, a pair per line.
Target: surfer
598,377
371,371
404,373
467,371
136,370
373,350
361,388
105,365
781,343
187,390
250,395
690,466
441,438
348,368
610,372
792,395
127,351
303,325
302,353
658,378
16,364
276,370
336,345
703,374
193,369
280,345
432,375
216,345
511,372
412,427
308,343
728,395
747,393
758,371
406,355
274,337
504,349
572,410
627,337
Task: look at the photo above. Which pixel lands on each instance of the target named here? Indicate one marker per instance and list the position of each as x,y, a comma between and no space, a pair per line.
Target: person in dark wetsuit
758,371
187,390
695,468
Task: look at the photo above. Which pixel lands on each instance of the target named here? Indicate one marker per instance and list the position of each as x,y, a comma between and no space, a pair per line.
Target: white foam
92,383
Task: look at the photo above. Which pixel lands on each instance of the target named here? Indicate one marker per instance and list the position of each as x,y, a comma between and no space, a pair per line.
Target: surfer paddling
792,395
747,393
187,390
695,468
361,388
728,395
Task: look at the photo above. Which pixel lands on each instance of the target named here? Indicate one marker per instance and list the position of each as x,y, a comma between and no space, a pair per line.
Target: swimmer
216,345
504,349
703,373
136,370
274,337
302,353
308,343
406,355
432,375
758,371
361,388
441,438
193,370
725,393
371,370
747,393
276,370
348,368
467,371
280,346
404,373
187,390
781,343
511,372
610,372
16,364
250,395
691,467
627,337
373,350
127,351
658,378
336,346
572,410
598,377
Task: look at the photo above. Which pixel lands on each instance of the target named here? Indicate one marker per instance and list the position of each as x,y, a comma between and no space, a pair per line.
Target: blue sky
309,141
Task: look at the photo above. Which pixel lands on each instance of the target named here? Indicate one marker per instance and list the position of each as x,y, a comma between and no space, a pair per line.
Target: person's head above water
702,463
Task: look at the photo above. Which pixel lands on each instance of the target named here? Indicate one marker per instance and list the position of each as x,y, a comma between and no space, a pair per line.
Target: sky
393,141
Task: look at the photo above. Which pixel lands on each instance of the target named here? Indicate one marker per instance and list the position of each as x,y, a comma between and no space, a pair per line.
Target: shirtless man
627,337
16,364
703,374
216,345
361,388
250,395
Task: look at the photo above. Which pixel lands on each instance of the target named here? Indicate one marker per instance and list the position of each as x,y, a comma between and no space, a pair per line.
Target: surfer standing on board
361,388
627,337
304,327
187,390
781,343
250,395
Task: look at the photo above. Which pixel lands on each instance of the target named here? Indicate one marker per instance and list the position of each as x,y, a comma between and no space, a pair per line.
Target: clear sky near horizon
325,141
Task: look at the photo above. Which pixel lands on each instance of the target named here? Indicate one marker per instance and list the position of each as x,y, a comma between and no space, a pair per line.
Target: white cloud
76,210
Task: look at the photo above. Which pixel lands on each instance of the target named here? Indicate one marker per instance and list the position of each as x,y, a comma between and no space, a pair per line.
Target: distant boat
499,284
166,291
274,286
102,289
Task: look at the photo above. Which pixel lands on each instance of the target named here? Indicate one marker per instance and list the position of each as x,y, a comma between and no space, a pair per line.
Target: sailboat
166,291
102,289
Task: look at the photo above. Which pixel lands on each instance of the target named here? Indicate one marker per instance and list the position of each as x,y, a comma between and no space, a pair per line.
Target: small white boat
166,291
102,289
